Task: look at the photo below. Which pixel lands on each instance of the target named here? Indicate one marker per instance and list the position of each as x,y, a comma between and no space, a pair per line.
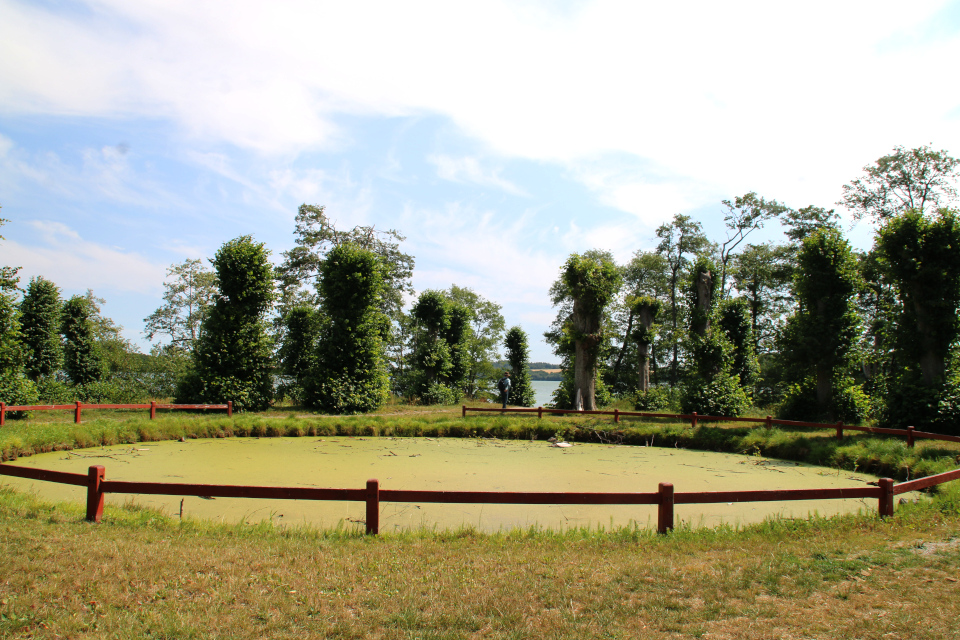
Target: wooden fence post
95,476
665,508
840,431
153,409
3,413
463,412
693,420
616,415
769,422
76,415
886,497
229,408
910,431
539,413
373,507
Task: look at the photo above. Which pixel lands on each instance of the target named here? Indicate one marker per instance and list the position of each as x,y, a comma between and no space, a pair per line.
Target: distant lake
544,391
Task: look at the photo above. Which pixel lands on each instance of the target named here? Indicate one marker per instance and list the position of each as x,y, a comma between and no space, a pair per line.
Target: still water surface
447,464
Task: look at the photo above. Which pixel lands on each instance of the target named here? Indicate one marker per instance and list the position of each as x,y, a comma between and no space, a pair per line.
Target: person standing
504,387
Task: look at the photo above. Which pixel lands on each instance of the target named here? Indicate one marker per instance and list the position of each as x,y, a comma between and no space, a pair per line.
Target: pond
448,464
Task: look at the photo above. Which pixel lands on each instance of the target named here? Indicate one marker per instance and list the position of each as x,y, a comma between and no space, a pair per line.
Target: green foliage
439,394
441,350
83,358
40,312
484,335
819,338
350,373
298,352
848,403
518,354
17,389
733,319
187,298
232,358
914,179
653,399
719,395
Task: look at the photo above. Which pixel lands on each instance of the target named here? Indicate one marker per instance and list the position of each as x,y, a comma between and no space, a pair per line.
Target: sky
498,137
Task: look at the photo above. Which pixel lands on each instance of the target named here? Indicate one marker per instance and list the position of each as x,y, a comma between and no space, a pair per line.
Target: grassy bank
142,575
871,454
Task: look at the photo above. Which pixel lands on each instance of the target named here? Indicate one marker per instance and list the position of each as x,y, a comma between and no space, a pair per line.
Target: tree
646,309
762,275
918,179
441,350
712,387
745,214
801,223
681,238
518,355
15,387
484,336
590,283
734,320
187,298
83,358
298,351
350,373
921,255
820,336
40,317
232,357
646,275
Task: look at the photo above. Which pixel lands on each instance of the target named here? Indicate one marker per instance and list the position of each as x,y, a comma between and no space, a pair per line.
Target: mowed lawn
142,575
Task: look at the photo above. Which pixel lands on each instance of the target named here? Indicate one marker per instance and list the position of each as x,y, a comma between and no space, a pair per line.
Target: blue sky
499,137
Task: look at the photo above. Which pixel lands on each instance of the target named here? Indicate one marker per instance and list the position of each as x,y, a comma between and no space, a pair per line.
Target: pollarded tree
441,352
818,339
485,335
921,255
713,387
350,374
645,309
40,312
518,355
83,359
233,354
591,284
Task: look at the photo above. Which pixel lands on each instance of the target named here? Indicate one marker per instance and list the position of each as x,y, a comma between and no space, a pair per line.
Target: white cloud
468,170
63,256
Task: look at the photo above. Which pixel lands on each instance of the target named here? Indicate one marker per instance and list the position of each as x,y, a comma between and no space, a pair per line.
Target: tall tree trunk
587,328
646,320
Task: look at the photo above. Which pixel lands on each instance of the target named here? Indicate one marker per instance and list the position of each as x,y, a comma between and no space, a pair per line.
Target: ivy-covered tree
298,352
733,319
921,254
83,358
712,387
819,338
232,358
646,309
441,352
40,318
350,373
591,283
484,337
518,355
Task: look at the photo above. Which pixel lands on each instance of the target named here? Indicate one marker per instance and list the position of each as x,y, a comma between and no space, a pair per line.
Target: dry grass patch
141,575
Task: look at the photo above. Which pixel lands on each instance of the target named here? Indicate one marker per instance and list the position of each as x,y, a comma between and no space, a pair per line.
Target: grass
141,574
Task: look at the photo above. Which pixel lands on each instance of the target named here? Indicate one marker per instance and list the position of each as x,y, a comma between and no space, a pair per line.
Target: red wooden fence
665,498
910,433
78,406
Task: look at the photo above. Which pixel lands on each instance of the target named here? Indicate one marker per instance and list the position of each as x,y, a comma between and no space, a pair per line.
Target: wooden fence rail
665,497
910,433
78,406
